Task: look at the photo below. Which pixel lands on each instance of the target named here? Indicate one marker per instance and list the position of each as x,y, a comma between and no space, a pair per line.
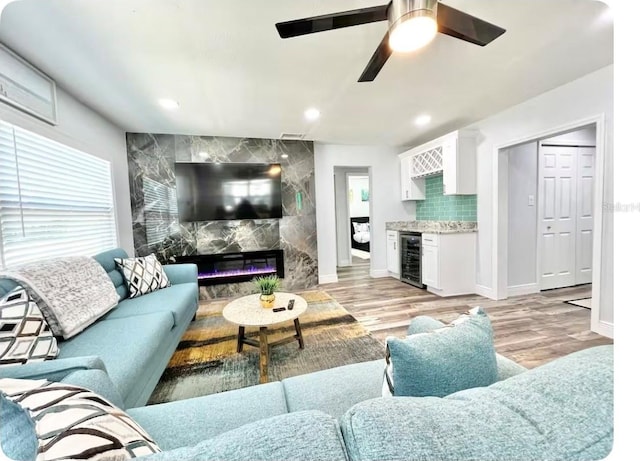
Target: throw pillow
71,422
25,335
443,361
142,275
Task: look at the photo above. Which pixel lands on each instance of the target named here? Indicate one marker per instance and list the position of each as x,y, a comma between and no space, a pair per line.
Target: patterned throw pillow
455,357
143,275
24,333
71,422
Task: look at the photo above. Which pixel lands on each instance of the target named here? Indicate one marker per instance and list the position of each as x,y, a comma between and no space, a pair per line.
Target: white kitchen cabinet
452,155
459,164
449,263
412,189
393,254
431,266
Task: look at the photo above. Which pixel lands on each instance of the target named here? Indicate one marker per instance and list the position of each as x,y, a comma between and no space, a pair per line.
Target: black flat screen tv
218,191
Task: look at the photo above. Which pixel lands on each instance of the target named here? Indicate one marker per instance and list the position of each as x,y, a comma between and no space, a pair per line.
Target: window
54,201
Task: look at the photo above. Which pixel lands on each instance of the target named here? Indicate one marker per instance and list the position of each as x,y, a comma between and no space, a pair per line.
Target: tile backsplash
440,207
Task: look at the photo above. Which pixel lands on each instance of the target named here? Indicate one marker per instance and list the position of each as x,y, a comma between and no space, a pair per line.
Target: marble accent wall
156,228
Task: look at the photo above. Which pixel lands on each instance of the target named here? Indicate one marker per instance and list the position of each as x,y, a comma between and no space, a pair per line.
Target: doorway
353,227
550,216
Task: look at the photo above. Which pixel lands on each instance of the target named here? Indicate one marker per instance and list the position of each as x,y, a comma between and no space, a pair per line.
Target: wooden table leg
296,322
264,356
240,339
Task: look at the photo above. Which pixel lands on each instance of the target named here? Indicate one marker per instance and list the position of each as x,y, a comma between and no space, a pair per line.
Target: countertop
434,227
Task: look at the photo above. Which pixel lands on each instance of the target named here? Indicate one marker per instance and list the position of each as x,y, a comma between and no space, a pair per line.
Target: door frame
500,205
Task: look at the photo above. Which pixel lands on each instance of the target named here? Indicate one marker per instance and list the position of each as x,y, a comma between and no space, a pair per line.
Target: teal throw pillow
445,360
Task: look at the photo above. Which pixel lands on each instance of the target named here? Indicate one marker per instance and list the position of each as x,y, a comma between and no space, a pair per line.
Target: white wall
384,199
583,137
356,184
522,235
343,223
586,97
83,129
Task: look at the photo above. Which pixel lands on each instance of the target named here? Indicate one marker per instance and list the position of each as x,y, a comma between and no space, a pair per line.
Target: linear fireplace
236,267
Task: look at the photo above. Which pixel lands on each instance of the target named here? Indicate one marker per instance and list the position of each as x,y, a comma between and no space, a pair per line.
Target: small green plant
267,284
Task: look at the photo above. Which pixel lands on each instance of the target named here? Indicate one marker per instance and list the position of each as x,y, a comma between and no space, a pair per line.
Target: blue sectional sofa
562,410
129,347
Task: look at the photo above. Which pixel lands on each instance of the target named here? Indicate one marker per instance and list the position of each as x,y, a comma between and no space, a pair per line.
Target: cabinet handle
406,194
394,245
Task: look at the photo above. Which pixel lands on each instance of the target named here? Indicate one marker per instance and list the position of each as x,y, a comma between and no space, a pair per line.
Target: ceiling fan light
412,33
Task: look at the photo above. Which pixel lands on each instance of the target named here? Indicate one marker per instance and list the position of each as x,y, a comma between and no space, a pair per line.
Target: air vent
292,136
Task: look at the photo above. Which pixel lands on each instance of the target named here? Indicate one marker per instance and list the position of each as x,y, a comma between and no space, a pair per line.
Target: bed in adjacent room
360,233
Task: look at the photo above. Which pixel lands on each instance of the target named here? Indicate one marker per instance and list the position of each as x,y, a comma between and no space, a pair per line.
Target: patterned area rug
206,361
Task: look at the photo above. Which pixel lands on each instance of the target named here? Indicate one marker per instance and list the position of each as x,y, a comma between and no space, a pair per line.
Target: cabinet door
393,254
431,266
411,189
450,167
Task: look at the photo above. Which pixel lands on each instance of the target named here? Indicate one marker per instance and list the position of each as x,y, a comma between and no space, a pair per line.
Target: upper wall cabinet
412,188
452,155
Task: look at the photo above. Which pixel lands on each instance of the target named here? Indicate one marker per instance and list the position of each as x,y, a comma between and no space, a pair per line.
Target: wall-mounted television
217,191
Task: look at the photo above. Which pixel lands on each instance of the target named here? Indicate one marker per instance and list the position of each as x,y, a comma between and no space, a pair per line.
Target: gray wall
152,157
522,244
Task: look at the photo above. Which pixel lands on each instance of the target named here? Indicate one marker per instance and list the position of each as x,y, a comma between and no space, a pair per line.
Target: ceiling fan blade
376,62
332,21
466,27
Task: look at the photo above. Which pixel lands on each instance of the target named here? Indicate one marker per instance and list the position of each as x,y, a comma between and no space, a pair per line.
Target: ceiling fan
412,25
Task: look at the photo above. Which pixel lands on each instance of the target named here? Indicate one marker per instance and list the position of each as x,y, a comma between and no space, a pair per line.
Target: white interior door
557,215
584,209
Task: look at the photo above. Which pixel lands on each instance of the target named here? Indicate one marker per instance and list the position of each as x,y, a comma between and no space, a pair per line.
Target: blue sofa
130,346
562,410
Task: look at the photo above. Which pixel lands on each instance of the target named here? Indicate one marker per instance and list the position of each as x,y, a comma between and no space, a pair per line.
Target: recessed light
422,120
284,156
168,104
312,114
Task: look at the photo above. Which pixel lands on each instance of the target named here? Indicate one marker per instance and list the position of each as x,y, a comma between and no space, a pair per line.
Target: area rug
582,302
206,361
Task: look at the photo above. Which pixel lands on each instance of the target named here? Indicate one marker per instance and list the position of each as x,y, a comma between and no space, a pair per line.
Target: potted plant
267,285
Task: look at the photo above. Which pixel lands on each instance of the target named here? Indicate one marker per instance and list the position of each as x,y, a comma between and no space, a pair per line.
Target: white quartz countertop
434,227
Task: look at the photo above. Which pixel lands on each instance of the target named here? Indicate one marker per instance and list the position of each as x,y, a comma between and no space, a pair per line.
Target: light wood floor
531,329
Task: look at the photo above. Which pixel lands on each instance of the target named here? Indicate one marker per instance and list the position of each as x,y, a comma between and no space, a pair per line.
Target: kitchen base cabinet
393,254
449,263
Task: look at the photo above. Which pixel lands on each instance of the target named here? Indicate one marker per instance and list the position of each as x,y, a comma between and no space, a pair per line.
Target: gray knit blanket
71,292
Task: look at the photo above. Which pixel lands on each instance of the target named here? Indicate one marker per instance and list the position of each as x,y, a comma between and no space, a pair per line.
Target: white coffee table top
247,311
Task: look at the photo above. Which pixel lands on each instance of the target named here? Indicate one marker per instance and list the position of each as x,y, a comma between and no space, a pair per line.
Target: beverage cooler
411,258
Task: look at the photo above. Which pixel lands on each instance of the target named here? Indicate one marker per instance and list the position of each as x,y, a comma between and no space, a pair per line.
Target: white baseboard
486,292
603,328
328,278
524,289
379,273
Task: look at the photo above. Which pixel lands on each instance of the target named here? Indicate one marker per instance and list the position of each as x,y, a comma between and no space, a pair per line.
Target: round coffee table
247,312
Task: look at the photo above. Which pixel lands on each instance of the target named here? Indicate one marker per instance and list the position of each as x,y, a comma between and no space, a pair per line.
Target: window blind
54,200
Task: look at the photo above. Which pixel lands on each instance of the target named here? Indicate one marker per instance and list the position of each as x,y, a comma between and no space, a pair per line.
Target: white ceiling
233,76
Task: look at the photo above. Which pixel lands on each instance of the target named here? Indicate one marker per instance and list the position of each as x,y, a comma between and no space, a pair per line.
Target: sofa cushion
142,275
445,360
335,390
180,301
106,260
25,335
71,422
188,422
143,336
561,410
308,435
17,435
